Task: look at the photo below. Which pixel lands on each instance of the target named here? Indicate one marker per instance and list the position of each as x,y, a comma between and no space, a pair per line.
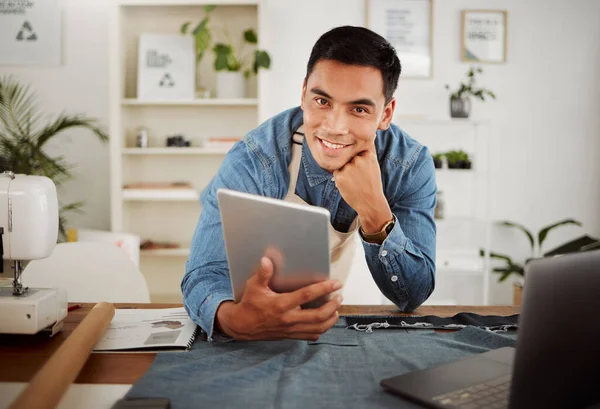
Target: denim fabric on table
458,321
341,370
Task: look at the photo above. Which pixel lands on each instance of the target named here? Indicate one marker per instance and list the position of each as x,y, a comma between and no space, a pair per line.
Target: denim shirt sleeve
206,283
403,266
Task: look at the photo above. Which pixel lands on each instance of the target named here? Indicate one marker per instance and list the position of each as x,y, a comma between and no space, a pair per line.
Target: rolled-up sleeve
403,266
206,283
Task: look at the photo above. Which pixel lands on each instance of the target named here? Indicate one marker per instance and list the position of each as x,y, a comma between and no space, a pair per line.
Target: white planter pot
230,84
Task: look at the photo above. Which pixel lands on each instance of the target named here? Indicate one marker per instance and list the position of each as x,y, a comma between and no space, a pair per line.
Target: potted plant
438,160
458,159
23,137
511,268
234,66
460,103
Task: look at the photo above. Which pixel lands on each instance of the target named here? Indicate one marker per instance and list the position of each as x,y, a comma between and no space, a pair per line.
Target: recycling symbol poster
166,67
30,32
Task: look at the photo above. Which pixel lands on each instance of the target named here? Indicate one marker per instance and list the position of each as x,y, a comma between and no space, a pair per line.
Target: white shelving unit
174,151
170,215
216,102
463,277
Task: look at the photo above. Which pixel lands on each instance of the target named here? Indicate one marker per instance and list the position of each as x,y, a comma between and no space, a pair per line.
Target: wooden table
21,356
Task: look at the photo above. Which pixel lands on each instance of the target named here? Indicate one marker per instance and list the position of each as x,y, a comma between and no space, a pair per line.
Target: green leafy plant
24,135
458,159
469,88
511,267
228,59
437,160
227,56
201,33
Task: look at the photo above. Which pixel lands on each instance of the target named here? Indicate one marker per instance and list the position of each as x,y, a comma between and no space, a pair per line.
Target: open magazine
148,329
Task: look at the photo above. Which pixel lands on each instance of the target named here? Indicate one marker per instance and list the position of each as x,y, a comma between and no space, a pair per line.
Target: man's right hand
263,314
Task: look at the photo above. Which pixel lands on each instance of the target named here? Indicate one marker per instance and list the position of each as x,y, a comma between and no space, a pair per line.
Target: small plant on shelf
460,103
227,59
458,159
438,160
234,61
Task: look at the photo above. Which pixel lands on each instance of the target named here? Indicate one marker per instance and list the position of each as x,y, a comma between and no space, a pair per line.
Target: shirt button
333,179
384,253
394,278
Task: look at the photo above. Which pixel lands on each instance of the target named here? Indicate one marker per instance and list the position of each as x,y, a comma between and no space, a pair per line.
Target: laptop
295,237
556,362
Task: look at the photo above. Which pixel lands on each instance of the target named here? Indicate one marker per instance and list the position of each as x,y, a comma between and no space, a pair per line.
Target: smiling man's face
343,106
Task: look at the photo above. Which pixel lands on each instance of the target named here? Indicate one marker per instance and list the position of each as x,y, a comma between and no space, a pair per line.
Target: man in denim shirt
367,172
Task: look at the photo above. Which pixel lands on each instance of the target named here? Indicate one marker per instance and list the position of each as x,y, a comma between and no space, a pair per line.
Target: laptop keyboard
492,395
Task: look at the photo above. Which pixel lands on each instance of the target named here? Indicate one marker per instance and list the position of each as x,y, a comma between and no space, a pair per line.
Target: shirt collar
315,174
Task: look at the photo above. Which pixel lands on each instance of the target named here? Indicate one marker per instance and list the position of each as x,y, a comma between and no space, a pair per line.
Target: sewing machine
28,231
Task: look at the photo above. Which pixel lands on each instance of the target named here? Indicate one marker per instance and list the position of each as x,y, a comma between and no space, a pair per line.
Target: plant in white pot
460,103
234,66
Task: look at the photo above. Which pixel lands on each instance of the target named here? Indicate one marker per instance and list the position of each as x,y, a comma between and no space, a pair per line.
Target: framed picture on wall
483,36
407,25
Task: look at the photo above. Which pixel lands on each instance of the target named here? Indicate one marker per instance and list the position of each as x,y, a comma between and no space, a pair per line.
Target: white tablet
294,236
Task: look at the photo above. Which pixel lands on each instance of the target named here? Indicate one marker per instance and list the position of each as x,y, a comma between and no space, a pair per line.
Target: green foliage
510,267
455,158
227,59
469,89
201,33
23,136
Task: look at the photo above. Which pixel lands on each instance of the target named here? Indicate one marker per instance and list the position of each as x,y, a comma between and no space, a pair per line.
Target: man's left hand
359,183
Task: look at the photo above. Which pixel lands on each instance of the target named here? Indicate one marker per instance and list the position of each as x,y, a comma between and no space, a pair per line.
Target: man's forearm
204,291
401,271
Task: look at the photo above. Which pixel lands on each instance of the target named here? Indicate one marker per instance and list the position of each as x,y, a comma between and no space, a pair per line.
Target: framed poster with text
407,25
483,36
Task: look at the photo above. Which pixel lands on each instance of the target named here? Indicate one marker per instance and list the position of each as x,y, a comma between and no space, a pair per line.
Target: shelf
472,170
179,252
400,120
174,151
181,195
210,102
187,2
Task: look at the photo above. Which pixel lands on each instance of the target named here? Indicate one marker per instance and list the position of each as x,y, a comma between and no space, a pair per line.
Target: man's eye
360,110
321,101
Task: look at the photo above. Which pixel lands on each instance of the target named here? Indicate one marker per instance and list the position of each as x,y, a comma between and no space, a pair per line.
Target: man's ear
303,94
388,115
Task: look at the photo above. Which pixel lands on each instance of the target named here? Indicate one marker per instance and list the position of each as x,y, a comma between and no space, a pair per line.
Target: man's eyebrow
361,101
320,92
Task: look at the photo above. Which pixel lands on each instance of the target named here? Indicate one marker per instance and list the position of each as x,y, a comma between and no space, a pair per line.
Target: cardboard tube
50,383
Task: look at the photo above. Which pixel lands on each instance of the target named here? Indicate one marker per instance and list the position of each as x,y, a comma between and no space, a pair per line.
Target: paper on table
148,329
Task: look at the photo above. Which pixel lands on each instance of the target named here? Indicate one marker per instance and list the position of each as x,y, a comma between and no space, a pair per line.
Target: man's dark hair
358,46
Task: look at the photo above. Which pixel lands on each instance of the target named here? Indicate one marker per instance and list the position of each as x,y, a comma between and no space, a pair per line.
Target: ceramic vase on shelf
230,84
460,107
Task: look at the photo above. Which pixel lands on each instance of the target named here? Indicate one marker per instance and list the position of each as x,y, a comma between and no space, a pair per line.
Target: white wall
546,143
79,85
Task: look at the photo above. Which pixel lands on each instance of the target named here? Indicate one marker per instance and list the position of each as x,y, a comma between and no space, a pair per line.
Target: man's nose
336,122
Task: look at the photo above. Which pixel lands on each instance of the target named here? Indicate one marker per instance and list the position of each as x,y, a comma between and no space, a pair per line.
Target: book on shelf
146,330
221,142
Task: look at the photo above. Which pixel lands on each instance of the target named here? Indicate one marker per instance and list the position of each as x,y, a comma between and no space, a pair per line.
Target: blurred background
139,101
